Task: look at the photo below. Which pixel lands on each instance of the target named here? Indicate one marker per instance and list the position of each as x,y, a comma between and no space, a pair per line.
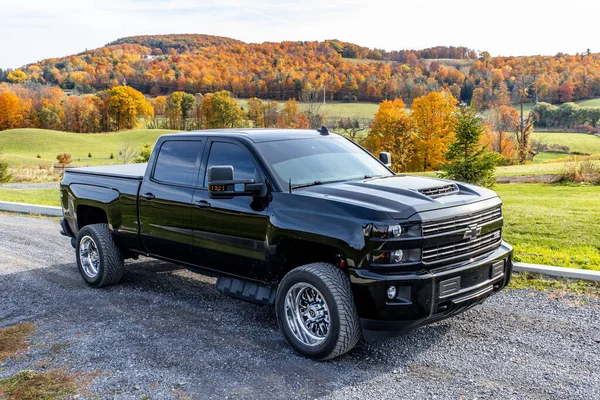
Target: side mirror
386,158
221,184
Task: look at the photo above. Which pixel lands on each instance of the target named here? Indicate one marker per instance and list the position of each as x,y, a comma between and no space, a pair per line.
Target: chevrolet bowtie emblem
473,231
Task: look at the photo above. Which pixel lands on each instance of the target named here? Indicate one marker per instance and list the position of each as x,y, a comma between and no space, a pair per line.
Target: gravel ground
167,333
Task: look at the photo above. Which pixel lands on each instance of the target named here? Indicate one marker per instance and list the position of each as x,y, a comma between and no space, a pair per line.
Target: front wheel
98,257
316,311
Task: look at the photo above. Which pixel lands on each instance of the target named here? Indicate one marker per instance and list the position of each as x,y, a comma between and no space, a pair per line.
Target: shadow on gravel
164,331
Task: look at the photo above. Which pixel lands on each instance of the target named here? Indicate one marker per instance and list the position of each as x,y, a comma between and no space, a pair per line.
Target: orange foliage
433,118
391,131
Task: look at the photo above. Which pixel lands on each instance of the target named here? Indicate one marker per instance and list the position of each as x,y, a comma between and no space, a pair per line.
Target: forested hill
204,63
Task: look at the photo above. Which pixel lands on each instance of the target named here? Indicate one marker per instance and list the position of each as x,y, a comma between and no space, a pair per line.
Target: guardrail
561,272
31,209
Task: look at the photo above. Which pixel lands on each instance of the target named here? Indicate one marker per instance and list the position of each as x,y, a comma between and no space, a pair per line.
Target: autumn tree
127,107
391,131
188,104
497,137
466,159
219,110
10,111
173,110
256,112
159,103
271,113
433,117
524,134
289,117
17,76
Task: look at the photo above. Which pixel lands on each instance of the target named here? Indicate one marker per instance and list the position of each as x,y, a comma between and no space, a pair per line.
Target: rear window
176,162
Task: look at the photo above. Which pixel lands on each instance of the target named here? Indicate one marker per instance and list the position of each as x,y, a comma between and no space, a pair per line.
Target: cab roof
258,135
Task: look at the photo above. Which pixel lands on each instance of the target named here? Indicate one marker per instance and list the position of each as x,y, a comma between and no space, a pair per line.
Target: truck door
165,200
230,234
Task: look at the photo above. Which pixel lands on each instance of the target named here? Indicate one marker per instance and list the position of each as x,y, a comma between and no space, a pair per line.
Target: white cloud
39,29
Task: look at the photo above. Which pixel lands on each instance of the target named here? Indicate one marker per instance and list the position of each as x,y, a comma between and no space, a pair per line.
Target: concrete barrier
31,209
573,273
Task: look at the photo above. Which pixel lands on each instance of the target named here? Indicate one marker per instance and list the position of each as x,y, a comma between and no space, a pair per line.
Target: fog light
391,292
396,256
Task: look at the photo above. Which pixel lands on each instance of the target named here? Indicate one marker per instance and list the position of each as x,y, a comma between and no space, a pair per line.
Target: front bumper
424,297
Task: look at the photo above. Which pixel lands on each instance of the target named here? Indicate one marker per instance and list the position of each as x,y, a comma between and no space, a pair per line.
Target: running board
247,291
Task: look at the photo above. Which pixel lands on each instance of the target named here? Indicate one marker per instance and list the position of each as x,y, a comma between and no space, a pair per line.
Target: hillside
203,63
20,147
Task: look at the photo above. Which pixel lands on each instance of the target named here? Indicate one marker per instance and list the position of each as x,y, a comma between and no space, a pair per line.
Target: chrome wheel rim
307,314
89,256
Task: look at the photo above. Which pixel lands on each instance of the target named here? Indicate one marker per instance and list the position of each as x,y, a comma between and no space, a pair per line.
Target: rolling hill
348,72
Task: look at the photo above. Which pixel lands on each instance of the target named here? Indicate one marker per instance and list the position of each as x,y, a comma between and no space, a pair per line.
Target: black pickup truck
305,220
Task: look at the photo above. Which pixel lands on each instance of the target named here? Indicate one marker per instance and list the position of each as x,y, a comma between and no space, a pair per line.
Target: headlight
400,256
396,231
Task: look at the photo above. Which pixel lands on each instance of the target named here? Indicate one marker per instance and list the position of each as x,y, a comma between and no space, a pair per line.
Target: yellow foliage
391,131
433,116
17,76
127,106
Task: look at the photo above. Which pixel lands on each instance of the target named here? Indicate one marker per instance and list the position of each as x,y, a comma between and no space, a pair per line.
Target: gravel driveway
167,333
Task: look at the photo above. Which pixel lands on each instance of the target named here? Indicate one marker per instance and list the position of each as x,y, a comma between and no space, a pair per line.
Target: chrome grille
459,223
462,248
440,191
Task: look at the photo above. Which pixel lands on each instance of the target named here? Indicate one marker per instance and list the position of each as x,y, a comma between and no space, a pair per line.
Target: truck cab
305,220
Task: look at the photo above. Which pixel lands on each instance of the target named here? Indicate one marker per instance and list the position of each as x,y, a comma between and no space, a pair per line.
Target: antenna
290,183
323,131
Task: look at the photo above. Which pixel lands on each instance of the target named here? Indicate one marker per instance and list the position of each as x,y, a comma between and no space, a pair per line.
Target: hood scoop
440,191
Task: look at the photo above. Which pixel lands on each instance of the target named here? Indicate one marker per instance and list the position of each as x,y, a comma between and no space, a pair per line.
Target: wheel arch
294,252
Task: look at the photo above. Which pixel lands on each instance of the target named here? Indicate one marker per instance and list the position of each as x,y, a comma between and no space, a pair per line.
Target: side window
176,162
223,153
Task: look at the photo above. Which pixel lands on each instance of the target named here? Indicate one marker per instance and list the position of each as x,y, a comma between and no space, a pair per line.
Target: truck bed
127,171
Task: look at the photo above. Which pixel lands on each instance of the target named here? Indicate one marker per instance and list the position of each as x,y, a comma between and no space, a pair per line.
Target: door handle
148,196
202,203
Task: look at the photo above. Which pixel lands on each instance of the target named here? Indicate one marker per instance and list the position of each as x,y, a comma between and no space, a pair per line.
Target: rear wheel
98,258
316,312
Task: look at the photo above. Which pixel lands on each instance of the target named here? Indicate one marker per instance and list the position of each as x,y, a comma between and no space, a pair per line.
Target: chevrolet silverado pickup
305,220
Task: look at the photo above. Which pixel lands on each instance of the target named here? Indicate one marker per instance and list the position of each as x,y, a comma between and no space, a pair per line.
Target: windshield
322,160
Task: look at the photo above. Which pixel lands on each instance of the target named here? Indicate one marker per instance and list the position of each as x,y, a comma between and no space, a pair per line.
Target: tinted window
222,153
305,161
176,162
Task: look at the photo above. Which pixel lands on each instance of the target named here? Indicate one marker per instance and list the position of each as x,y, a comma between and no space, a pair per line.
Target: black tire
110,264
334,286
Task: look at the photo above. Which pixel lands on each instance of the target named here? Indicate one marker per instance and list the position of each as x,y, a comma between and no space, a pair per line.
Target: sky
33,30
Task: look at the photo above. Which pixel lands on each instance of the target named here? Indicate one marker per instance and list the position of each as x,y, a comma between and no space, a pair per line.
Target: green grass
589,103
20,147
547,156
43,197
578,142
553,224
555,286
335,109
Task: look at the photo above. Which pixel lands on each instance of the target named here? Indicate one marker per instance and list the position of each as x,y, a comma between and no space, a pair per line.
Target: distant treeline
158,65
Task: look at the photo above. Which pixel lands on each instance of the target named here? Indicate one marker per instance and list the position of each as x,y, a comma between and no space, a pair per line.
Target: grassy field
43,197
589,103
336,109
21,146
578,142
553,224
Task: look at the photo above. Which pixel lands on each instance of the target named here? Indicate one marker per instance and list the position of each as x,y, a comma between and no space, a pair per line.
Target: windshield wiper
317,183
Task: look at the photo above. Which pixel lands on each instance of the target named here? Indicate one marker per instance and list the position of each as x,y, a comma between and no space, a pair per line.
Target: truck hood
400,196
